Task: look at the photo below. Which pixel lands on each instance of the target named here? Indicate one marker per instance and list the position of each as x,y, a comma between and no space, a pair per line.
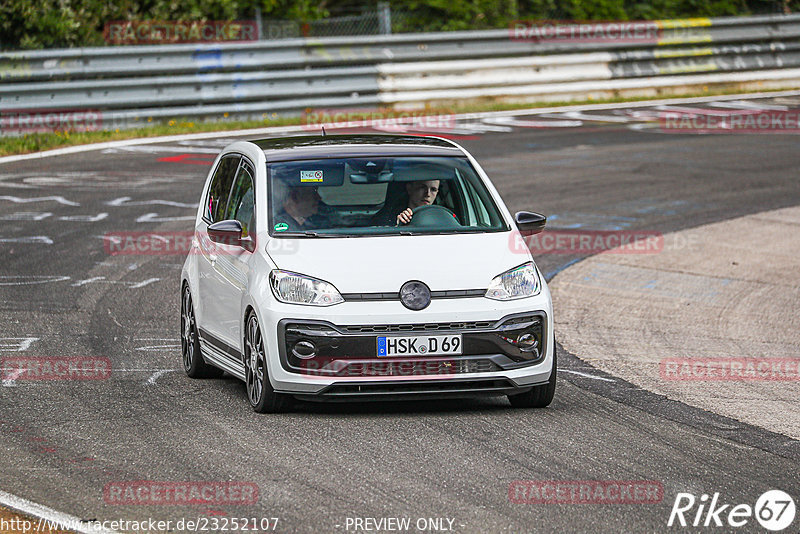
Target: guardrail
133,84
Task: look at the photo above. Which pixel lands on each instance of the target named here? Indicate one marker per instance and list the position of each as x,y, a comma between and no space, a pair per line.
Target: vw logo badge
415,295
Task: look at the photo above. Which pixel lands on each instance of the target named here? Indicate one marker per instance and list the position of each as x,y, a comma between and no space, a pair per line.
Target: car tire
191,355
539,396
262,397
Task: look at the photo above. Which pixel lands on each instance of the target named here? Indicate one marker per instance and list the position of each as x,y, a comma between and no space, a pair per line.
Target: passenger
421,193
300,210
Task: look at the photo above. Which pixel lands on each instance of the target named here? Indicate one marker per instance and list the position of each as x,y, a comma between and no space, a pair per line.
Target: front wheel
193,362
262,397
539,396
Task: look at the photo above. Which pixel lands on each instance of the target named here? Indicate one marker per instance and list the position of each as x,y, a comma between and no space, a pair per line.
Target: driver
300,210
421,193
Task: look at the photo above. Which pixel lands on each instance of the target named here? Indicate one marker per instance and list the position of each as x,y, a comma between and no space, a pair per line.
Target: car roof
356,145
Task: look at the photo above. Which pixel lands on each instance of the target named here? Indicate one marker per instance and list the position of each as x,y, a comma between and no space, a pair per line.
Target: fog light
304,350
527,342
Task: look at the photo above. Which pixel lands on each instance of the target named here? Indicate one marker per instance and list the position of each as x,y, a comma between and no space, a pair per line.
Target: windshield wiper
308,233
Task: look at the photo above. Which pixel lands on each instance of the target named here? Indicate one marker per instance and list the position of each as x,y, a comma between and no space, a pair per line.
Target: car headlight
296,288
517,283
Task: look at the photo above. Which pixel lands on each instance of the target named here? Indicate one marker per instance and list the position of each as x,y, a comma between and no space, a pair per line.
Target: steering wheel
432,215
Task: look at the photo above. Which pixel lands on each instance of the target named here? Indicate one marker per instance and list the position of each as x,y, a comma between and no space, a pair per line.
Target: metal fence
132,86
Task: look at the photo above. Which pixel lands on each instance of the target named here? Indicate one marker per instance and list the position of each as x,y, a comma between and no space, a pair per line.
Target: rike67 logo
774,510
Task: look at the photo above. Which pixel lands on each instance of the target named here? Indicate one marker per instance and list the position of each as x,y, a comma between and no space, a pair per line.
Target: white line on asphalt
145,283
12,280
48,514
25,216
586,375
84,218
303,128
80,283
126,201
152,380
19,344
18,200
160,348
28,239
153,217
10,380
161,149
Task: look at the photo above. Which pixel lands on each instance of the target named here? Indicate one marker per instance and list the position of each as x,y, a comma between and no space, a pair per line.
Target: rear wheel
539,396
193,362
262,397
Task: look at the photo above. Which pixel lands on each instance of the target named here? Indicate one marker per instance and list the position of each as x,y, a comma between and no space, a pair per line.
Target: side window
217,200
241,204
476,210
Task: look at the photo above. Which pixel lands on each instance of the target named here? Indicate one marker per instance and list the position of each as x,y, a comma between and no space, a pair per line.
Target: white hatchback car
364,267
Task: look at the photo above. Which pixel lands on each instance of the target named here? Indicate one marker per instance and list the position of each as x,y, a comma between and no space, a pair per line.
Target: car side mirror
530,223
229,232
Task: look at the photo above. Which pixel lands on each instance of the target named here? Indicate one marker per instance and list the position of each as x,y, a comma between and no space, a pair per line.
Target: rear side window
241,204
219,192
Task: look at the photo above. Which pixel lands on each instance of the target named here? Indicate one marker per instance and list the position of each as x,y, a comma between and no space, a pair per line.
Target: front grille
427,387
425,327
404,367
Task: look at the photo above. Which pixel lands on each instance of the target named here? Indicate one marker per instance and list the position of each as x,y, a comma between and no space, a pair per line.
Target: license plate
389,346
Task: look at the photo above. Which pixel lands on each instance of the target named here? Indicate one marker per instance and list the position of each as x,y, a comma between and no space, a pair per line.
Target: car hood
384,263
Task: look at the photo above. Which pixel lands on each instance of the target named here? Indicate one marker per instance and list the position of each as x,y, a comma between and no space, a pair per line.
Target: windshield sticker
310,176
281,227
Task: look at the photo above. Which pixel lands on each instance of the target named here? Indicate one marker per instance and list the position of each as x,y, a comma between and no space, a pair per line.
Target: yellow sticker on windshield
310,176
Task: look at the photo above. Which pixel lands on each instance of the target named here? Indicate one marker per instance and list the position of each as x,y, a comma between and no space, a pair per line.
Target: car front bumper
485,368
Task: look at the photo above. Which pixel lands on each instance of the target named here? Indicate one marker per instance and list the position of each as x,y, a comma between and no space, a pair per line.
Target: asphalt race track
320,467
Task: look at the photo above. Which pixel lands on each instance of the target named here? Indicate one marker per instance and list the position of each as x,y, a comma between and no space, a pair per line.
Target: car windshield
366,196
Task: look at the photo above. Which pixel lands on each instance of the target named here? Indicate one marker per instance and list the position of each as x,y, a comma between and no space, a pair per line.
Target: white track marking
59,199
28,239
746,104
553,123
126,201
159,348
155,376
18,344
153,217
578,115
10,381
16,280
131,285
302,128
693,112
26,216
46,514
84,218
148,149
80,283
145,283
586,375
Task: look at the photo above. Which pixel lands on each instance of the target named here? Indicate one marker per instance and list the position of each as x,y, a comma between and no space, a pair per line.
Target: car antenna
323,131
